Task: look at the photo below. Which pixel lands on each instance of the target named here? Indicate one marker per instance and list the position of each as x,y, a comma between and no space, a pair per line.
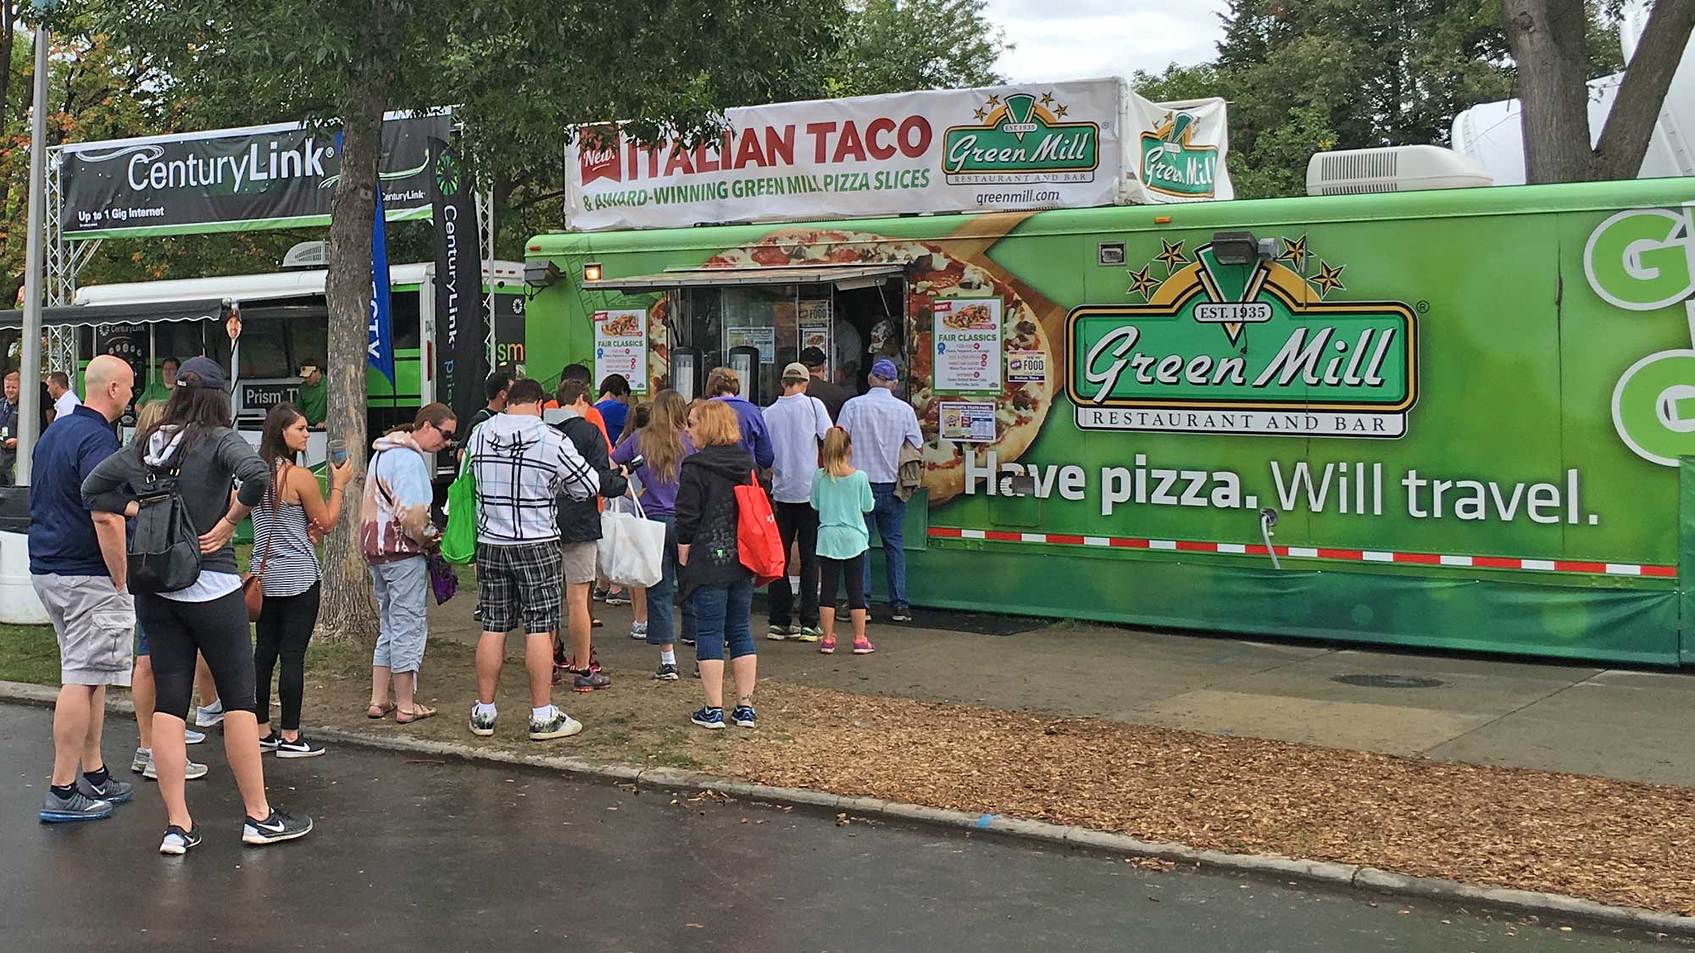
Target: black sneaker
178,842
665,673
901,614
708,717
745,717
269,742
275,829
298,748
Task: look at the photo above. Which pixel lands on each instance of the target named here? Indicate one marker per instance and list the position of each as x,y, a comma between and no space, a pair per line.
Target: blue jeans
887,520
659,607
723,615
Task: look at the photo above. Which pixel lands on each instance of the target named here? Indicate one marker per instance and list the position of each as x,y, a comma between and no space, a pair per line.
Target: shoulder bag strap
276,524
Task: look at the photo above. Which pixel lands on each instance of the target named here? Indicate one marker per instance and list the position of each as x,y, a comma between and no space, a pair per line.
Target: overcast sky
1079,39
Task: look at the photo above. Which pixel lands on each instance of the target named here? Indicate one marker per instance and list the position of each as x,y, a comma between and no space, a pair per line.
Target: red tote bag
758,543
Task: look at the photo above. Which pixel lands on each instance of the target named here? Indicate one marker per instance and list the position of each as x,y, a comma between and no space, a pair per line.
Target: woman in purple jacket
662,443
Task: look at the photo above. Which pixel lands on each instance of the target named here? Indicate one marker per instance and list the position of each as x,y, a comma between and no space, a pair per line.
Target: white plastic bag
631,547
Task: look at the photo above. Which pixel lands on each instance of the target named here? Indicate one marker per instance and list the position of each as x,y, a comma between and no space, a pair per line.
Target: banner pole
29,404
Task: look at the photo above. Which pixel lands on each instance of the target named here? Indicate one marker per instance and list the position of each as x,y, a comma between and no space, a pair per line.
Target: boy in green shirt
314,397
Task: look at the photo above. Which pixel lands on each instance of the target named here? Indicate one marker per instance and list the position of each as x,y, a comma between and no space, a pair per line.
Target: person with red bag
713,576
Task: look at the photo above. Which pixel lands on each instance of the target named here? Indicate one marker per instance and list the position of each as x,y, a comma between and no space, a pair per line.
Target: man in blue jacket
77,561
725,385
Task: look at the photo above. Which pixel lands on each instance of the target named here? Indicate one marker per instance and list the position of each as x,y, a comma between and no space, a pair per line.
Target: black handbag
164,549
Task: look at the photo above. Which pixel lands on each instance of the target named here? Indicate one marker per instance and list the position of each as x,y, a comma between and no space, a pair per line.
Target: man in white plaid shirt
522,466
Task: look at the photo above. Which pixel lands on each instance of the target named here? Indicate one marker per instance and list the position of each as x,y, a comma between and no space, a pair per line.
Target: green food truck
1452,418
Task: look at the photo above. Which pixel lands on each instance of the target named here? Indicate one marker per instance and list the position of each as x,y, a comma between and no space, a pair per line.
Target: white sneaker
192,737
208,717
638,630
143,765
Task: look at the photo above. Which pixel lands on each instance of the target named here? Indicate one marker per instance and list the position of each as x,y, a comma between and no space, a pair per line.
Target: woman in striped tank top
286,526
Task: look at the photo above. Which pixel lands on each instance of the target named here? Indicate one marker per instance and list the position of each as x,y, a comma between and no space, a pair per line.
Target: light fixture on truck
591,271
540,274
1241,248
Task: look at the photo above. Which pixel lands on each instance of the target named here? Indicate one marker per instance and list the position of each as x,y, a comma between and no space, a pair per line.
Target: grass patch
29,653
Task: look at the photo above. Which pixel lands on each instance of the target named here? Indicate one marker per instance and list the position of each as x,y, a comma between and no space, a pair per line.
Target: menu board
967,342
762,338
620,346
967,422
815,322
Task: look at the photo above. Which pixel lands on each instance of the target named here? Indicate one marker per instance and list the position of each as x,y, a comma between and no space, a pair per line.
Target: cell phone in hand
636,463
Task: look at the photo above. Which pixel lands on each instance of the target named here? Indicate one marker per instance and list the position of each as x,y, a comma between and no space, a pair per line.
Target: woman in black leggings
208,616
285,524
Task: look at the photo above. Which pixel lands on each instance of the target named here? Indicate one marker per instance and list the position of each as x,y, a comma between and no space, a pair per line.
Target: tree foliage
1308,76
890,46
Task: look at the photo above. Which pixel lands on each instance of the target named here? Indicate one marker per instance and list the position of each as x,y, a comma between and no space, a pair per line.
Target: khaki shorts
579,562
95,625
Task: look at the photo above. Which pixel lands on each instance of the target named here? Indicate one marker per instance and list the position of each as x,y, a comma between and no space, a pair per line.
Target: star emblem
980,114
1060,112
994,101
1295,252
1329,279
1172,255
1143,283
1047,99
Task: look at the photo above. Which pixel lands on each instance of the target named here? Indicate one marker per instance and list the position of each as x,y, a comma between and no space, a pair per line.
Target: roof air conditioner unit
1392,169
307,255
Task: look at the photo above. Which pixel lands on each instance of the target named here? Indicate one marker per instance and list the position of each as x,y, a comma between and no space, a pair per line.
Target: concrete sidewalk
1623,724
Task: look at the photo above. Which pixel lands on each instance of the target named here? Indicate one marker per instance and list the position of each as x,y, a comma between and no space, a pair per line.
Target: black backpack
164,549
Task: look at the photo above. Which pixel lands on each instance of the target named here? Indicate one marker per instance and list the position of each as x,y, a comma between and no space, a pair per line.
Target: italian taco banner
1050,145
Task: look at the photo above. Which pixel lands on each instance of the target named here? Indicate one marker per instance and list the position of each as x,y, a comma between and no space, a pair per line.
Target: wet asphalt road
420,855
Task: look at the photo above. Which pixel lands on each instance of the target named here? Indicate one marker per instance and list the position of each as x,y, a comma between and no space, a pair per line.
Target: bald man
77,563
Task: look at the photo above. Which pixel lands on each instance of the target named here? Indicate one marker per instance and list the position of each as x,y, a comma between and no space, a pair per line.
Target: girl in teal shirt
842,497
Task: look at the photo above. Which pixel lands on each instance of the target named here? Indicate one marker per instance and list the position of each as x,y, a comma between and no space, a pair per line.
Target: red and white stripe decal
1308,552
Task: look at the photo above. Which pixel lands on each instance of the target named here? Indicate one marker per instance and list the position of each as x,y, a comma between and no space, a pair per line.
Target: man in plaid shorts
522,466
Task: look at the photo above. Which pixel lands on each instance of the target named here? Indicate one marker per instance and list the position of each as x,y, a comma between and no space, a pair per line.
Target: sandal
379,712
418,713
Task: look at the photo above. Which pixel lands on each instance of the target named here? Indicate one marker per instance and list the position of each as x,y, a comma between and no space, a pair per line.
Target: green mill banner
1048,145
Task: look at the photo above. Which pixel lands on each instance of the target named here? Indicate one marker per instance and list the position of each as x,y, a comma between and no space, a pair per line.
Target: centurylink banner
257,177
1050,145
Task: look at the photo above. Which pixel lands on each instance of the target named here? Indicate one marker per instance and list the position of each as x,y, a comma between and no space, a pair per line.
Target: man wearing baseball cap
879,423
820,386
797,422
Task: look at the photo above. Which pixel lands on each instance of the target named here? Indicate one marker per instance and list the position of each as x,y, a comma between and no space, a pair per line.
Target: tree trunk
1647,77
1547,39
348,613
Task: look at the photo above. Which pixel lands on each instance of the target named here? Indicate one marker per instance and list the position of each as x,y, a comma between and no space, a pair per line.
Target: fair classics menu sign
1052,145
620,346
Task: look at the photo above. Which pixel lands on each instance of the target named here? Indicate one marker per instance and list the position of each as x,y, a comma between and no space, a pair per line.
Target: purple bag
443,580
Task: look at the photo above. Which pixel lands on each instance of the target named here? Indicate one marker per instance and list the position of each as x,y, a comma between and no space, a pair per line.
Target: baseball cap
796,372
885,368
206,373
813,357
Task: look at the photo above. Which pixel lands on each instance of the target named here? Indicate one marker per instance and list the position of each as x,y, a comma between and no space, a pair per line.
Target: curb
1353,876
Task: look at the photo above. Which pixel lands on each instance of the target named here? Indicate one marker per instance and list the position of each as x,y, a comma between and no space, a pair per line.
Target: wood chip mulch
1610,841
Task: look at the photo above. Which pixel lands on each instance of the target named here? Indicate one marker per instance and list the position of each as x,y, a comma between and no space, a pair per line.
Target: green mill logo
1021,138
1644,260
1245,349
1173,164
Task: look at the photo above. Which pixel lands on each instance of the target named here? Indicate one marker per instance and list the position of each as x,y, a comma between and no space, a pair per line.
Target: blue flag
380,350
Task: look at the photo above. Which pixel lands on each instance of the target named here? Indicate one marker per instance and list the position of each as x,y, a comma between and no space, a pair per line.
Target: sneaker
685,640
113,790
269,742
298,748
192,770
599,594
745,717
777,633
618,598
178,842
275,829
77,807
638,631
192,737
483,725
827,645
143,758
665,673
560,725
863,647
591,681
708,717
209,717
596,623
901,614
806,633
